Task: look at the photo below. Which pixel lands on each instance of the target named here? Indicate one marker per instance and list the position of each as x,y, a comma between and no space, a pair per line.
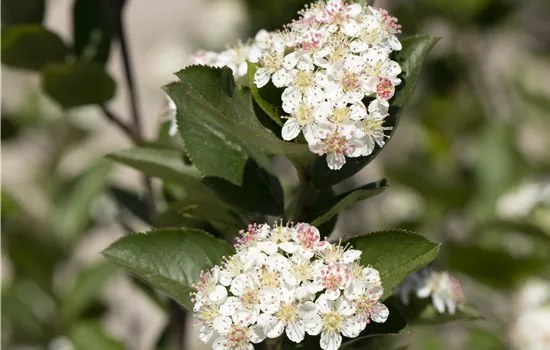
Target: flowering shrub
324,90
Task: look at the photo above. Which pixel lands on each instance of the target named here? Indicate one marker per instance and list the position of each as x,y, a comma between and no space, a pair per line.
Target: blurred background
469,166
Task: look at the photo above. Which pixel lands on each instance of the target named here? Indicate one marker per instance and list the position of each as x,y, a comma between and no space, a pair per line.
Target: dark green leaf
496,268
166,164
395,254
91,33
90,335
73,212
170,259
333,206
85,290
77,84
15,12
33,252
132,202
219,128
195,208
411,57
270,109
260,191
30,46
23,306
10,205
395,324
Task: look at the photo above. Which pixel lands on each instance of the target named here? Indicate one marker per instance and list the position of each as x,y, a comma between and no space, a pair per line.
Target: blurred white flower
531,329
440,286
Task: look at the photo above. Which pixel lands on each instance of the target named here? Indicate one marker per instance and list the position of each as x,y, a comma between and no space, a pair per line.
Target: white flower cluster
328,61
443,288
284,279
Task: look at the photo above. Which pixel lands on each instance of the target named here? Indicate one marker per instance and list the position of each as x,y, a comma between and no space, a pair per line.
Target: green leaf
10,205
395,254
91,33
219,127
30,46
395,324
169,259
499,166
430,316
77,84
166,164
85,290
194,208
26,307
334,205
90,335
483,339
132,202
209,107
15,12
270,109
32,250
73,212
410,58
494,267
260,191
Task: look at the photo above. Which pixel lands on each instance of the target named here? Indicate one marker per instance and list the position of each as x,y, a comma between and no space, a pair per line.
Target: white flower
304,119
206,315
336,147
235,337
208,289
288,314
371,129
336,318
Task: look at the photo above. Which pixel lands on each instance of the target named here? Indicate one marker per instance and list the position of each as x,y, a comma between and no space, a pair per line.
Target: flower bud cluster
328,61
440,286
285,279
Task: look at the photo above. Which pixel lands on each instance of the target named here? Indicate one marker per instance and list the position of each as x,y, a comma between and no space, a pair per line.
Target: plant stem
125,128
306,196
133,98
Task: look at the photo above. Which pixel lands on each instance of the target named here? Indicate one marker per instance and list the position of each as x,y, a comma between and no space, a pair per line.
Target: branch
125,128
128,71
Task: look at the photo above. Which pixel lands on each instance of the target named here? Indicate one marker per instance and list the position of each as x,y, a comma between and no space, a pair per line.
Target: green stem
307,194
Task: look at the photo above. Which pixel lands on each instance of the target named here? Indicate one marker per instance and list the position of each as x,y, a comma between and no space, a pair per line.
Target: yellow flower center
287,313
339,115
332,321
304,79
270,279
304,115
